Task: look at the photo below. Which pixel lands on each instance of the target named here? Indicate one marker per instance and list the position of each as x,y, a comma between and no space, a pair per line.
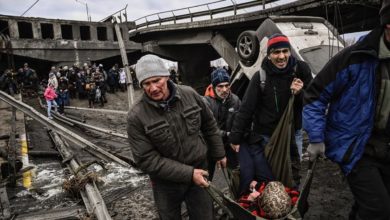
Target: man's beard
222,95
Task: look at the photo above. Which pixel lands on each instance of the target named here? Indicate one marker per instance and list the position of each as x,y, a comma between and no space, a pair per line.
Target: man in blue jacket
353,88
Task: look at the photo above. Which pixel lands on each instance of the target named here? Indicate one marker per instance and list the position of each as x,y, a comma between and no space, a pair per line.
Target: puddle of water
48,178
116,175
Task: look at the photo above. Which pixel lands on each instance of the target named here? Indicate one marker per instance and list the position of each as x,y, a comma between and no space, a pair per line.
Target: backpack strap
263,77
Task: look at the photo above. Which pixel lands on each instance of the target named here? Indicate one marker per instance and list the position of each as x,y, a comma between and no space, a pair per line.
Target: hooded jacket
223,110
168,140
50,93
346,89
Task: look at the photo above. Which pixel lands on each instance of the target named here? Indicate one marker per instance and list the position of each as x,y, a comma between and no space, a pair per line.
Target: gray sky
98,9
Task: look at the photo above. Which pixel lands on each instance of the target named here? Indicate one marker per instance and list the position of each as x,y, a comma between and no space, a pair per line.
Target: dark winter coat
224,111
263,108
345,88
168,140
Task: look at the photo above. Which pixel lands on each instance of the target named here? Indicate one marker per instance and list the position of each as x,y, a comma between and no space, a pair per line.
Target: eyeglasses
278,51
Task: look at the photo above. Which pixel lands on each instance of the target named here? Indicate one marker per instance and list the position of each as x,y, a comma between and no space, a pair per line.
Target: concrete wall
61,50
37,34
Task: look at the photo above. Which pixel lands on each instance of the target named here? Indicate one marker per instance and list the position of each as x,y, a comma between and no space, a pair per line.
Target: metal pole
86,6
130,89
88,18
12,150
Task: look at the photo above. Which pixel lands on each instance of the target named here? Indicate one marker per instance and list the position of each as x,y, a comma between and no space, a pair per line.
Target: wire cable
30,7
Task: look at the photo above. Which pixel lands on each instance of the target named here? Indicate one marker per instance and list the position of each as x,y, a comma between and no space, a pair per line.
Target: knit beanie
218,76
384,13
277,41
149,66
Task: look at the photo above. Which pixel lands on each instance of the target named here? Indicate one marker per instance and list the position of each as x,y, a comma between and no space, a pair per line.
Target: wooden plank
4,203
125,62
76,212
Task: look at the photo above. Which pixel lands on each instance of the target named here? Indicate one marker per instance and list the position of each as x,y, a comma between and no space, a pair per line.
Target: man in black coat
171,132
262,107
224,104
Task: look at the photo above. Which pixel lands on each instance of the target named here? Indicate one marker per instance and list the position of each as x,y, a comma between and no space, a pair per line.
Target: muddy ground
329,198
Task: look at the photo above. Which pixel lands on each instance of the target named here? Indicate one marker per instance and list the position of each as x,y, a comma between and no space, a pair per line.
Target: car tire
248,47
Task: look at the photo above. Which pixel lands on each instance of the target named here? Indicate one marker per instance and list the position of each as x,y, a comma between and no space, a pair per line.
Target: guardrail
121,14
158,19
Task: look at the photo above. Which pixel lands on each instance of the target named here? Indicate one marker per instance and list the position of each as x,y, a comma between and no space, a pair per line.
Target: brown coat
169,144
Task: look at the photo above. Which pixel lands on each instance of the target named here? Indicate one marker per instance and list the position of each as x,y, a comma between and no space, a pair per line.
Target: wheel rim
245,46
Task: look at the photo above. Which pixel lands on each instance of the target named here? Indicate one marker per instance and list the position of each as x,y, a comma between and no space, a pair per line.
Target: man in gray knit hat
171,131
346,112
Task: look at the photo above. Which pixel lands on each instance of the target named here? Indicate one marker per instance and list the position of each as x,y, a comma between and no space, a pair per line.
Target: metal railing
119,16
158,19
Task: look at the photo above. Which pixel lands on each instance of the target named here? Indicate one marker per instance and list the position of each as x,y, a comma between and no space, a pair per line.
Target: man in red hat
263,104
346,112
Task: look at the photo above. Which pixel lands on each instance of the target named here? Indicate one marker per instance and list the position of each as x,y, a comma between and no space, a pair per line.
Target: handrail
209,12
108,18
179,9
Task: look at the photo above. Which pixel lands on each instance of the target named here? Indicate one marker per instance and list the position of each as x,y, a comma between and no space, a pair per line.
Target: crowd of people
90,82
13,82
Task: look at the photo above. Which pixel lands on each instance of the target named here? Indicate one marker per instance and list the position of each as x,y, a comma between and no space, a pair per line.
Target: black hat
384,13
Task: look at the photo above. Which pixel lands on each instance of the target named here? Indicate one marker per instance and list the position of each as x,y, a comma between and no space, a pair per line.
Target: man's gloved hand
314,150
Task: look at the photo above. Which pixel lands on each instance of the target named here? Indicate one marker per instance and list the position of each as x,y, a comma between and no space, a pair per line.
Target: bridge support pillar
57,31
13,28
226,50
195,73
36,30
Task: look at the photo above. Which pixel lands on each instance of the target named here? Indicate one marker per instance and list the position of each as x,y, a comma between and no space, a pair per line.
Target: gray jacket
168,143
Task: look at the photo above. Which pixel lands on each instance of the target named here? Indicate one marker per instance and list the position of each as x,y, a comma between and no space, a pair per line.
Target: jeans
253,164
369,182
49,105
299,141
169,196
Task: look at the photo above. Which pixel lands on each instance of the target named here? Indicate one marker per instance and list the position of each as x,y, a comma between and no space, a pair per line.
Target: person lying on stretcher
269,200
